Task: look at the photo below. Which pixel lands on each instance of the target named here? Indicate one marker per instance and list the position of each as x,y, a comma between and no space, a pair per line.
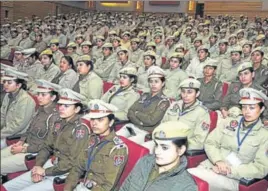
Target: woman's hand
223,167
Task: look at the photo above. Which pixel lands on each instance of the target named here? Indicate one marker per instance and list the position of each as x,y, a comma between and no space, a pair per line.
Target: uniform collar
14,95
49,109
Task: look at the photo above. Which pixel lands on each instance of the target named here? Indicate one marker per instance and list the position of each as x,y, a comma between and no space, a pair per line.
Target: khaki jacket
50,73
66,79
253,152
122,99
65,140
103,67
196,117
106,167
114,75
16,116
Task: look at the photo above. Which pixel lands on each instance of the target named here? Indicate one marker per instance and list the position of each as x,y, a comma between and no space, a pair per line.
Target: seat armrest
30,156
13,137
195,152
118,122
59,180
247,182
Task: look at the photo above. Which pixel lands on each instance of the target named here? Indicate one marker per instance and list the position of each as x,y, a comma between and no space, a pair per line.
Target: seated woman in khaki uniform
103,159
166,168
148,61
66,138
12,157
89,83
18,106
237,148
147,112
124,95
67,77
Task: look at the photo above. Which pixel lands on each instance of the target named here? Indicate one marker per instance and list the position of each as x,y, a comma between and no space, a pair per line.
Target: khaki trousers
216,181
12,163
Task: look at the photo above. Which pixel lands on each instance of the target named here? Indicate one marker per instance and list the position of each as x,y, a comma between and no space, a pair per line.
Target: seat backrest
107,86
135,152
35,100
213,120
224,89
201,184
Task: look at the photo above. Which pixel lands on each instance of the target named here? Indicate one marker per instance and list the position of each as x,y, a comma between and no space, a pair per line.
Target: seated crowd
165,73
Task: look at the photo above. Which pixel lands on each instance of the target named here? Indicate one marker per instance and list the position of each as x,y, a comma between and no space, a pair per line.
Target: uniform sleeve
66,164
215,104
69,80
107,94
53,73
213,144
190,68
22,116
154,117
129,100
95,88
256,168
198,137
114,73
112,175
76,172
131,113
104,73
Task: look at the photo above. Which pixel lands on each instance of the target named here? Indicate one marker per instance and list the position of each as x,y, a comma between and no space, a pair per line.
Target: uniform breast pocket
228,139
249,149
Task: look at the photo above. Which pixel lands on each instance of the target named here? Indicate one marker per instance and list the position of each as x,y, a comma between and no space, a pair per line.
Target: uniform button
90,174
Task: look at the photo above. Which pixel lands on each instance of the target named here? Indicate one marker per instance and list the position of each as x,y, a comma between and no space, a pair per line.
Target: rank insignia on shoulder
205,126
236,88
233,124
117,141
118,160
92,142
80,133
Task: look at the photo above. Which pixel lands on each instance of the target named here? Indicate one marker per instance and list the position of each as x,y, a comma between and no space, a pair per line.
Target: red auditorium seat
253,185
35,100
201,184
6,61
224,89
135,152
107,86
194,157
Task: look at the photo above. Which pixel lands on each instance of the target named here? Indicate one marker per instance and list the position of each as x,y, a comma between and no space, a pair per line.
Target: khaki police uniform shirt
253,152
37,132
104,66
62,40
96,52
160,48
173,80
90,86
147,112
12,43
232,98
66,79
114,75
106,167
16,113
66,139
210,93
261,75
229,73
195,116
5,51
123,99
142,83
26,43
135,56
47,38
57,55
40,46
48,73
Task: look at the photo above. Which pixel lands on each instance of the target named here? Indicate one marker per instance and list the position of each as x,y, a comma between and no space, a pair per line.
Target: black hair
261,104
70,61
180,142
54,93
35,54
22,82
180,59
83,108
135,78
111,117
57,44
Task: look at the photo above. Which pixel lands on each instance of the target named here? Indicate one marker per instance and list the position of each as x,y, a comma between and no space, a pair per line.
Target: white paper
233,159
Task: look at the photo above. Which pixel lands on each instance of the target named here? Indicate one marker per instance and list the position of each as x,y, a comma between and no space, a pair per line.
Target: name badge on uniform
233,159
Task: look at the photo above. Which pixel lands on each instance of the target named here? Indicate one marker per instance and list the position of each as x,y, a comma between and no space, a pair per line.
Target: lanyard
240,142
